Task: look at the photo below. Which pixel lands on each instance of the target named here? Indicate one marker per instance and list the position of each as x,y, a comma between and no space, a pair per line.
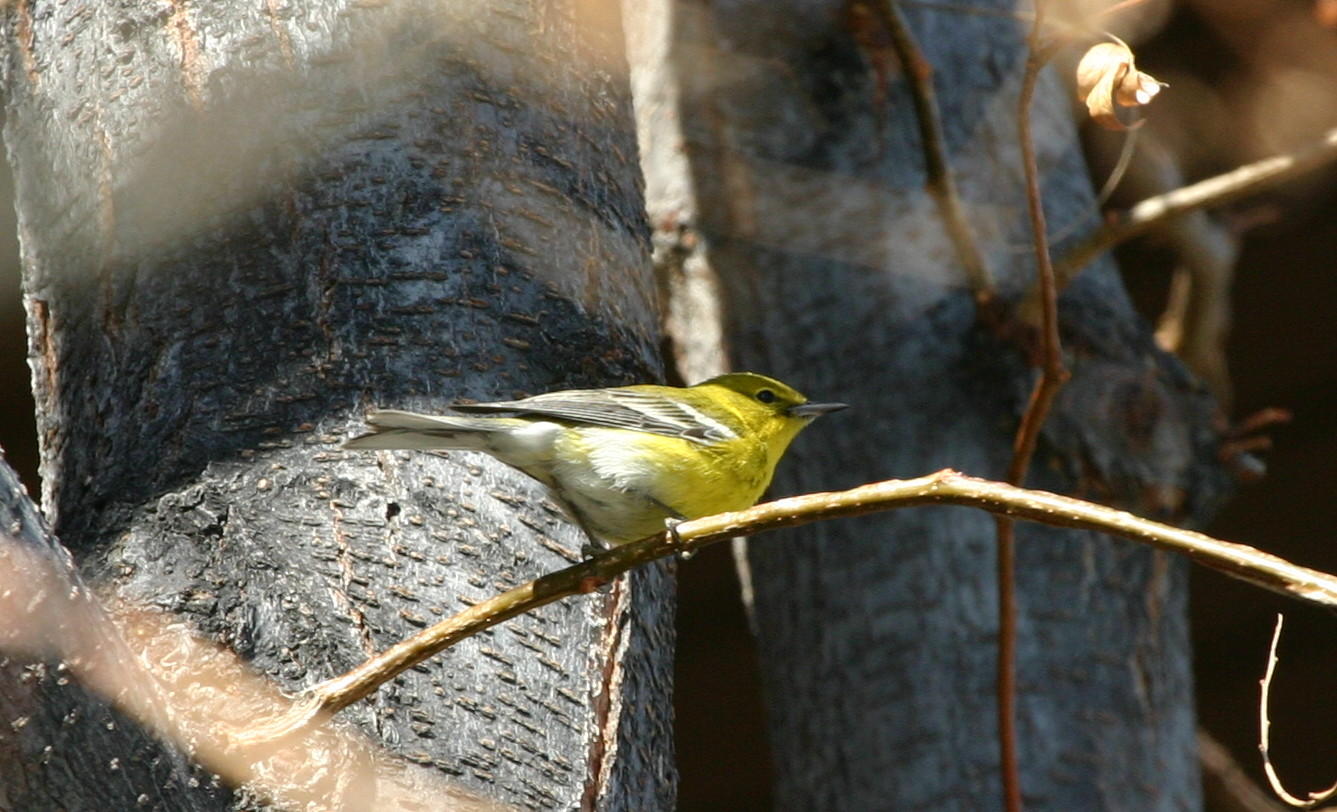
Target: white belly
612,492
603,486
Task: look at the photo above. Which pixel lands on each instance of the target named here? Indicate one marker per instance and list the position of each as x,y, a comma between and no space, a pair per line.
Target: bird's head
773,409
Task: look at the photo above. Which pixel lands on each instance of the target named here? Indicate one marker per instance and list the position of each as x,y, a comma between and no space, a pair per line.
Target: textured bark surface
242,224
877,636
74,730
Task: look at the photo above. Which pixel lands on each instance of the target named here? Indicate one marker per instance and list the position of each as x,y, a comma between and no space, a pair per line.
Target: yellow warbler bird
625,462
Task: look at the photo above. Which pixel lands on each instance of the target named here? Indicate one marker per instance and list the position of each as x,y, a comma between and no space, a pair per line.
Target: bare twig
200,696
1007,662
1113,178
1225,785
1123,5
1127,148
1052,376
1315,798
1195,322
1053,373
944,487
1215,191
941,182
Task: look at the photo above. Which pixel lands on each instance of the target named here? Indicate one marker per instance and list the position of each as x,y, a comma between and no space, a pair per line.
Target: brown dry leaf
1112,86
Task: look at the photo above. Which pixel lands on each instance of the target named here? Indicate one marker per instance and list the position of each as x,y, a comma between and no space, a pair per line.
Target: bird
625,462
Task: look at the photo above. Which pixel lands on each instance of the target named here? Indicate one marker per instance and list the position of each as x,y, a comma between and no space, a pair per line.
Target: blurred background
1247,79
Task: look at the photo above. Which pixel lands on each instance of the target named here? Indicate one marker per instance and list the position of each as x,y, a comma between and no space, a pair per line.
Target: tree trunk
244,223
805,197
52,723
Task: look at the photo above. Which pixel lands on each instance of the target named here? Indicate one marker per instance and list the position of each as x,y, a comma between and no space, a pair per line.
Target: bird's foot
592,548
671,525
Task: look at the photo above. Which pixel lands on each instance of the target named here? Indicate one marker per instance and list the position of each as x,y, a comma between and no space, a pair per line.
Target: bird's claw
671,525
591,549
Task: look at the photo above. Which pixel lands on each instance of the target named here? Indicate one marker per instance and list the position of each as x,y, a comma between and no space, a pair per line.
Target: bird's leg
593,543
592,546
671,523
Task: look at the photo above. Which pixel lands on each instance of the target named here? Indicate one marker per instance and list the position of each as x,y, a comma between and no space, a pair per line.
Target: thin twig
1127,151
941,182
1127,146
1225,785
1215,191
1123,5
944,487
1006,674
1195,321
1315,798
1052,376
1053,373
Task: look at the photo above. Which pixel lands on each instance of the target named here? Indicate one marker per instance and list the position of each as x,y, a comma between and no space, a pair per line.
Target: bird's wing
618,409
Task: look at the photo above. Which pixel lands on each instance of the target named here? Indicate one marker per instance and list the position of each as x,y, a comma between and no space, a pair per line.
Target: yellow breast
632,481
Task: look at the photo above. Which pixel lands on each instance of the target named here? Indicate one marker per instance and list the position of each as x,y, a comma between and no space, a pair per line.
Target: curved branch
1052,377
1214,191
941,182
1264,737
946,487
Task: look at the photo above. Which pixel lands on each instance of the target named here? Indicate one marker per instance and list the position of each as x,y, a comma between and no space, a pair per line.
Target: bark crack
26,38
46,350
192,57
280,33
608,693
347,578
106,211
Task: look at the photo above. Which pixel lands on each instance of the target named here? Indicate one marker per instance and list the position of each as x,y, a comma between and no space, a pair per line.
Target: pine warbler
625,462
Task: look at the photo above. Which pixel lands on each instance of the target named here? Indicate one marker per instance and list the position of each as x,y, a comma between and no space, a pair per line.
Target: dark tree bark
243,223
805,199
73,728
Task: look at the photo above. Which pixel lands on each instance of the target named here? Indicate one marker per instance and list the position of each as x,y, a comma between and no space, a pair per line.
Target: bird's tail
395,429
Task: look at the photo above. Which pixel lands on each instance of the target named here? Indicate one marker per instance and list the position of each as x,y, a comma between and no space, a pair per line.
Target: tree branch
1264,726
944,487
1052,376
1214,191
1225,785
941,183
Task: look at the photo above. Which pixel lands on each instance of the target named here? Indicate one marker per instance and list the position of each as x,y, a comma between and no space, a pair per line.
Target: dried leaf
1112,87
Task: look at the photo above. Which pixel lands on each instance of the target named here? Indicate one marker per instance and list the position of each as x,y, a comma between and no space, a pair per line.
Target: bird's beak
815,409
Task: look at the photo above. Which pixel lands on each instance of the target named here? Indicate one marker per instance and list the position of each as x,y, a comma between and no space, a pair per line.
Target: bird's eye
765,396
